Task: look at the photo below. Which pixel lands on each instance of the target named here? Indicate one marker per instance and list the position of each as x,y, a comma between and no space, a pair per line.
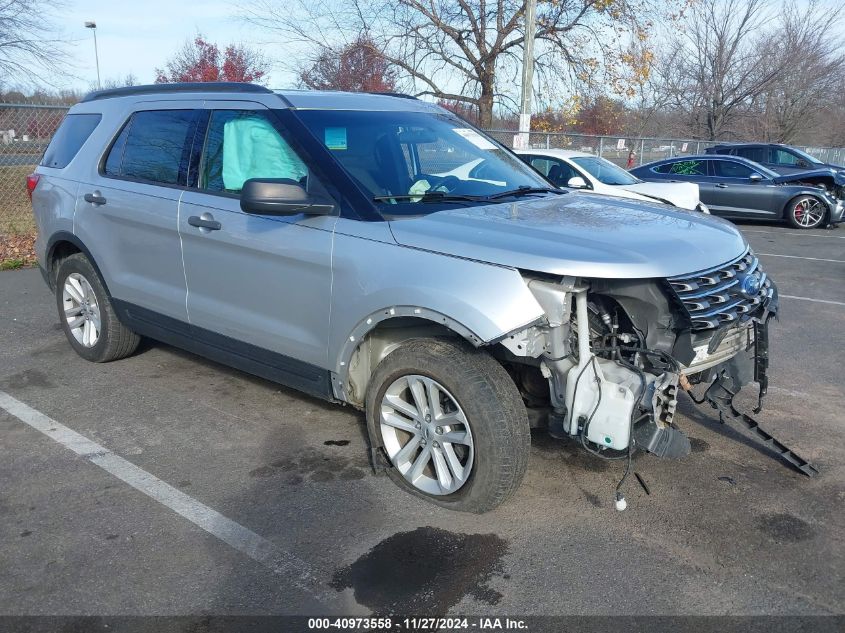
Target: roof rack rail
200,86
401,95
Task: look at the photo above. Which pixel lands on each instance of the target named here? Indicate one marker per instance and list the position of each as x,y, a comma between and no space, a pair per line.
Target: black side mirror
280,196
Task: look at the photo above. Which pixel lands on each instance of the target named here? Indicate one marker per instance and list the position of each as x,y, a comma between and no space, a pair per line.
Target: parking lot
207,491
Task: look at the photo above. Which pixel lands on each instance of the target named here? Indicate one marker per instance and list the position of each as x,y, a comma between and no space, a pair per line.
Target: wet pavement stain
785,528
698,446
427,570
27,378
311,465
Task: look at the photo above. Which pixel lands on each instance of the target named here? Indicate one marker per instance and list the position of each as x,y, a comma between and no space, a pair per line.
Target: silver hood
577,234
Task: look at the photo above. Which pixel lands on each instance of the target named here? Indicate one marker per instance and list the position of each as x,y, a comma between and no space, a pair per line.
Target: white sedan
580,170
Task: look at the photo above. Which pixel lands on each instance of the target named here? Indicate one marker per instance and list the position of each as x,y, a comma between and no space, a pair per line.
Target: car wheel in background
451,422
805,212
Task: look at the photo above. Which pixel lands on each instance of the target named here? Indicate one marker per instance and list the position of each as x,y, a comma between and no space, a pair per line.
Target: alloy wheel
81,310
426,435
808,212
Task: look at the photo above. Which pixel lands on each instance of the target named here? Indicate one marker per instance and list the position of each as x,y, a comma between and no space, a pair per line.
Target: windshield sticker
335,137
475,138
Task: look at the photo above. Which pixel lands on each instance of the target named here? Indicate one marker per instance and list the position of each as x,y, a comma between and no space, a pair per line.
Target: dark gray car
734,187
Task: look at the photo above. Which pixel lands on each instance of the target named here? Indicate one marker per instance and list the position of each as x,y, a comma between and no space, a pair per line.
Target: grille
714,297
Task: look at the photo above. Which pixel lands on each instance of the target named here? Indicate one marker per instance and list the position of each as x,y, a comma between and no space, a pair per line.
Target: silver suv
377,250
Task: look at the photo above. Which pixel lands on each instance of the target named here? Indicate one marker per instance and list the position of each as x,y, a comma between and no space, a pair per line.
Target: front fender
374,281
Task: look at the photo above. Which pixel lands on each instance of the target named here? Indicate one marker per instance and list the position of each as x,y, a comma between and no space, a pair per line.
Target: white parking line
828,301
815,259
259,549
833,237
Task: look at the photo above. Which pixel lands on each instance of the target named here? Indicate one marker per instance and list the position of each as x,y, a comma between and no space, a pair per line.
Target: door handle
722,185
207,222
94,198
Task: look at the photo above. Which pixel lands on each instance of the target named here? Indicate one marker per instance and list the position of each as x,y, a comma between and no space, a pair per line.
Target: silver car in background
323,240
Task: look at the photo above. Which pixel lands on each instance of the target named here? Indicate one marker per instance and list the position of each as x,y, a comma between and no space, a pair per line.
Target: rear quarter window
69,139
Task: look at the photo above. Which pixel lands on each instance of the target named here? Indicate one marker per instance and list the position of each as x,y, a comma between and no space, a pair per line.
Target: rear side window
683,168
757,154
69,138
153,146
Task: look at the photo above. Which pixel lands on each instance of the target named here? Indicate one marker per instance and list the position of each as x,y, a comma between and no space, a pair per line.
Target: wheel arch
375,336
801,194
62,244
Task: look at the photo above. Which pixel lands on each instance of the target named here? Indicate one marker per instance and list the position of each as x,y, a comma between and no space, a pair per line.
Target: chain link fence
617,149
25,131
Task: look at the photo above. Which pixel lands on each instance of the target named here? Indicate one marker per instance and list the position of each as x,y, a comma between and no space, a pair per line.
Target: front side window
604,171
68,139
244,144
396,157
153,146
730,169
559,172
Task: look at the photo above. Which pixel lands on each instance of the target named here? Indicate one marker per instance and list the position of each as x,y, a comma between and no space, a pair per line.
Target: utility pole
521,140
93,27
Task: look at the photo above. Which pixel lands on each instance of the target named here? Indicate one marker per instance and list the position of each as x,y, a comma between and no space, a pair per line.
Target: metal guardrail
25,131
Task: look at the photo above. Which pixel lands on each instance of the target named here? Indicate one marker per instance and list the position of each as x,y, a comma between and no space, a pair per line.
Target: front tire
805,212
87,315
451,422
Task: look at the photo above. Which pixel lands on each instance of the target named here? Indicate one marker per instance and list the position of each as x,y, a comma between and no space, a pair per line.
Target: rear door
128,210
735,194
258,286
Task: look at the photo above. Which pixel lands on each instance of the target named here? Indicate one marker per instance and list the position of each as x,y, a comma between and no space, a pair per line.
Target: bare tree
460,50
714,67
28,44
812,69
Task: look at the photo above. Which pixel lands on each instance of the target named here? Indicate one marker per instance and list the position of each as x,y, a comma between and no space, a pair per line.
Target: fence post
642,150
548,139
601,145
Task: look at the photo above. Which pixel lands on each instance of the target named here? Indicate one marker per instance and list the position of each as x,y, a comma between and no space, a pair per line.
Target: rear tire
451,422
87,315
806,212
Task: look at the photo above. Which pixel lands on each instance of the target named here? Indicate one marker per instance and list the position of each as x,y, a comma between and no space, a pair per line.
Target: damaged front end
607,364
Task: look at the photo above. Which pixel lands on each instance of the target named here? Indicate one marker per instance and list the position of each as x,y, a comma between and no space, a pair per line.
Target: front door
259,286
735,194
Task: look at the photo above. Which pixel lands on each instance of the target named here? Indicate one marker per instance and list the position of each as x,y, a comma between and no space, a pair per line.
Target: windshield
398,157
604,171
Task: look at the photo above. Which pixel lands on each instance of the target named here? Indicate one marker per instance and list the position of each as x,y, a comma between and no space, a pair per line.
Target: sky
139,36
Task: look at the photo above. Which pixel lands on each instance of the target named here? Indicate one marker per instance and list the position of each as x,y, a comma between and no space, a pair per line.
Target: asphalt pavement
165,484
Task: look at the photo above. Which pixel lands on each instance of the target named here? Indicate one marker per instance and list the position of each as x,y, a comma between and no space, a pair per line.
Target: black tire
795,216
492,406
115,341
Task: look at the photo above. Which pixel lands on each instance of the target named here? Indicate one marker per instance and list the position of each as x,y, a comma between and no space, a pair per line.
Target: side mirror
576,182
280,196
755,177
803,164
